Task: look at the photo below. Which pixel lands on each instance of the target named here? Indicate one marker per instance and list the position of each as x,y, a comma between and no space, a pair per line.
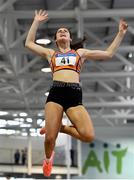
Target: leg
72,130
83,128
53,117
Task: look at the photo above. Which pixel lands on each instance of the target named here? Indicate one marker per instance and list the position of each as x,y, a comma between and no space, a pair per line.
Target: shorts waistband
65,84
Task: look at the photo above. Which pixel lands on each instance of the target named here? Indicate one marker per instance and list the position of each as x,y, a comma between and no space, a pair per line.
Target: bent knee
89,136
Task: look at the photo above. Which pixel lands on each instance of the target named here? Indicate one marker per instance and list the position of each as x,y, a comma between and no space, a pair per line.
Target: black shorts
66,94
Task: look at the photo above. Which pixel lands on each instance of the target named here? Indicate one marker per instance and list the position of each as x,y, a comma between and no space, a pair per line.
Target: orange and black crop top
70,60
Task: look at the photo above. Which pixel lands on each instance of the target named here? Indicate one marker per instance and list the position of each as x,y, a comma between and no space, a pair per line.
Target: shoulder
50,54
81,52
84,53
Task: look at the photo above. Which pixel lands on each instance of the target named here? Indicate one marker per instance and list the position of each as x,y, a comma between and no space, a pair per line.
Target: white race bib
65,59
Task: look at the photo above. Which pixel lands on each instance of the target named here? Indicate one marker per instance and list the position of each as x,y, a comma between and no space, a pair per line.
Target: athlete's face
63,34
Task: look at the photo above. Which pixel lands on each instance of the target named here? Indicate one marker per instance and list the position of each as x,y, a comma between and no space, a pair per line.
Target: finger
44,12
35,12
40,11
123,21
126,26
46,15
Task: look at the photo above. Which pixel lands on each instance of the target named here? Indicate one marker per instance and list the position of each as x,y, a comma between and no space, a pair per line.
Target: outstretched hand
41,15
123,26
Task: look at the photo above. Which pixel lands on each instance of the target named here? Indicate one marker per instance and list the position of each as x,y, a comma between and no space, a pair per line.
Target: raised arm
110,51
30,40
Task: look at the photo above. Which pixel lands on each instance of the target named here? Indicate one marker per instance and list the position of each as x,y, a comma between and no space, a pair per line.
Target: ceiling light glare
3,122
40,114
29,120
2,113
15,115
17,132
21,119
128,68
13,123
45,41
46,70
10,131
42,124
39,121
25,125
33,134
32,130
24,133
130,55
3,131
17,119
2,125
23,114
125,121
47,93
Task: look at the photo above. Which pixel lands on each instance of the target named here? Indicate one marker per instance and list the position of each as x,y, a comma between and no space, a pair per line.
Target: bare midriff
66,76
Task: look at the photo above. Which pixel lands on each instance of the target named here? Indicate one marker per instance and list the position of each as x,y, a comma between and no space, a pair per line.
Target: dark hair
79,43
65,28
74,44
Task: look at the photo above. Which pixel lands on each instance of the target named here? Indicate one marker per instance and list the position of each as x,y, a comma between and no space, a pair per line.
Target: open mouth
62,35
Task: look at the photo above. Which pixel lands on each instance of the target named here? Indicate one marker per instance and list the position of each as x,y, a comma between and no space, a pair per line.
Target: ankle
49,158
